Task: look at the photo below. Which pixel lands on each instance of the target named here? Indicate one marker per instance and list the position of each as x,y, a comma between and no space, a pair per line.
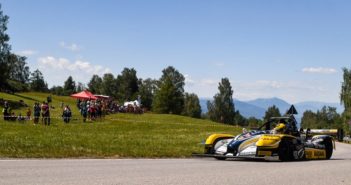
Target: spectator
45,112
29,114
84,110
6,111
67,114
36,110
49,99
20,117
12,116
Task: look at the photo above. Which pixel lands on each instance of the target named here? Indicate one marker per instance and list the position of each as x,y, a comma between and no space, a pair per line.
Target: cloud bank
72,47
319,70
76,66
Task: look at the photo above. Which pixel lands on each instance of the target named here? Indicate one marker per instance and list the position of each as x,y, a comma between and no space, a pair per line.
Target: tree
108,86
345,98
254,122
345,95
95,84
18,71
37,82
240,119
127,83
69,86
4,50
326,118
169,96
309,120
221,109
146,91
57,90
192,106
272,111
14,74
80,87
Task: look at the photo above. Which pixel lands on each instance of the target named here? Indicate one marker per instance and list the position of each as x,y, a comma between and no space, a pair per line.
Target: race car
283,143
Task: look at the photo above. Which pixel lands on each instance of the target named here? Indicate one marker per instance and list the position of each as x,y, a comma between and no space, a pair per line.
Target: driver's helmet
280,128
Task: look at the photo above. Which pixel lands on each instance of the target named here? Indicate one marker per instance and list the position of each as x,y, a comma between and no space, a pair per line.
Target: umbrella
84,95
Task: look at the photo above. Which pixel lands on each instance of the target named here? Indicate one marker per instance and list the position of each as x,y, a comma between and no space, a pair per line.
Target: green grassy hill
117,136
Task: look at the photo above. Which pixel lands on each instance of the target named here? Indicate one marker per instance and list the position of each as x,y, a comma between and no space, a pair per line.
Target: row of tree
165,95
326,118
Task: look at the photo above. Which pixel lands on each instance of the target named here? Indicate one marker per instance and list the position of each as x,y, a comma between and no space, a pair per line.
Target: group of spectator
8,115
97,109
89,110
39,111
92,109
42,110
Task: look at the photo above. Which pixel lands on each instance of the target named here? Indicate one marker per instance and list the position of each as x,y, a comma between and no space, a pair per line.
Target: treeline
165,95
326,118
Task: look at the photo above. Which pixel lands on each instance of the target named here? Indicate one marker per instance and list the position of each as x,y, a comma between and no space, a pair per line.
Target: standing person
49,99
67,114
84,110
45,113
36,110
6,111
29,114
78,104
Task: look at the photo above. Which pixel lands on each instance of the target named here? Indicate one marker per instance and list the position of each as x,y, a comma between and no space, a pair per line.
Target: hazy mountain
257,108
268,102
249,110
245,109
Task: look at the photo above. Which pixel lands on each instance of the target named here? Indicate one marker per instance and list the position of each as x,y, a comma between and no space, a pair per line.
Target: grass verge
117,136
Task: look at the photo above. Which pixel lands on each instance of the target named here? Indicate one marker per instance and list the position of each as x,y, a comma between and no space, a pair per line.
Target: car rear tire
328,148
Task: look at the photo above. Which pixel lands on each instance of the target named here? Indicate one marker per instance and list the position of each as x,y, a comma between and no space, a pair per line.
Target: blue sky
288,49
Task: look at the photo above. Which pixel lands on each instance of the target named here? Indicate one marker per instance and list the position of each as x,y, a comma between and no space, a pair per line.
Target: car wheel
216,145
328,148
285,151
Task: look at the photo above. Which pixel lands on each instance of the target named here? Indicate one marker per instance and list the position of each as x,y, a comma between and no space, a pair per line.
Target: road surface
177,171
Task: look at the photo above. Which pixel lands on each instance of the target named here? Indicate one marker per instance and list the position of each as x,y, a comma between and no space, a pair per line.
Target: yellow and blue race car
284,142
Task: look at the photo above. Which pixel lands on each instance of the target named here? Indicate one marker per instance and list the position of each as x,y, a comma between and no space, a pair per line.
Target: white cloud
219,64
209,82
319,70
189,80
73,47
76,66
56,70
27,52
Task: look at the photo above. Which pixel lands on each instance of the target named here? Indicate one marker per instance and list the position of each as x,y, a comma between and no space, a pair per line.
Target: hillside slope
115,136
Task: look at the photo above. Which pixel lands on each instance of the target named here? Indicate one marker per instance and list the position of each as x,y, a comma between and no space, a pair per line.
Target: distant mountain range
257,108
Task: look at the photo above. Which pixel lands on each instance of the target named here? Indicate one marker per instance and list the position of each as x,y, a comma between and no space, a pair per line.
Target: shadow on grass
26,97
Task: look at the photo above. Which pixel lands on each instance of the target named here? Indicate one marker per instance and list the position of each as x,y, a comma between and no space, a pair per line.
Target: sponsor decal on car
264,153
315,154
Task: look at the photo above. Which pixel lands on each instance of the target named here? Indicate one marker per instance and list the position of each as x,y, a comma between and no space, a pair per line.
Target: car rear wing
338,134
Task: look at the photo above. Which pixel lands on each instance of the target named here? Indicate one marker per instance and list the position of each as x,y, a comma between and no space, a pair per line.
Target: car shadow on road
274,161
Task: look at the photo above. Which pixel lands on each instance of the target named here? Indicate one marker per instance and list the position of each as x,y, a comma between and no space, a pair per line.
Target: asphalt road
178,171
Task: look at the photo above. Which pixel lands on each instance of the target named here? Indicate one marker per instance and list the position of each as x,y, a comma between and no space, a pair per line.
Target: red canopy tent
84,95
